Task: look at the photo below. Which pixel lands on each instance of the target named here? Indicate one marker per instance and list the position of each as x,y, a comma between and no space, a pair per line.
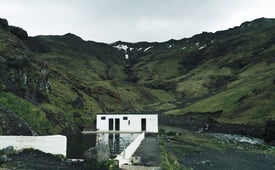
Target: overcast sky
131,20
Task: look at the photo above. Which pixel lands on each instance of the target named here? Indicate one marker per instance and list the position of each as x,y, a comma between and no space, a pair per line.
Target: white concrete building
127,122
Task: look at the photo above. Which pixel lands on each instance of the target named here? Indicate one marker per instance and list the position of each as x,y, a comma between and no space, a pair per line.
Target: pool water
117,141
79,143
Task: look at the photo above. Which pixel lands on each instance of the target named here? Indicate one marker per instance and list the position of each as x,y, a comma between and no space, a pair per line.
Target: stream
235,152
230,138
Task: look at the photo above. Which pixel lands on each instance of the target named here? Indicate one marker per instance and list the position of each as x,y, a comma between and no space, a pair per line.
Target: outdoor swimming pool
79,143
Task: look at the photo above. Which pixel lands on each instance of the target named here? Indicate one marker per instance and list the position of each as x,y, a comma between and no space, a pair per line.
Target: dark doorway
111,124
117,124
143,124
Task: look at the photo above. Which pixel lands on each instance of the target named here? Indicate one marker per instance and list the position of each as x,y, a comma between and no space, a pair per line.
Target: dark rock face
78,102
202,122
192,121
3,23
100,90
19,76
20,72
19,32
270,131
11,124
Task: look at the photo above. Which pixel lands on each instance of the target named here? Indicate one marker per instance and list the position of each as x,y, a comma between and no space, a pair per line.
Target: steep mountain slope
225,76
228,71
23,83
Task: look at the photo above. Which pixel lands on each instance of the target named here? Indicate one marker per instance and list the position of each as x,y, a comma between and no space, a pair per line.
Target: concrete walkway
148,152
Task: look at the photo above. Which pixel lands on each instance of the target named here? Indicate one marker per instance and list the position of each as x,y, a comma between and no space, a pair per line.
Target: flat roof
127,113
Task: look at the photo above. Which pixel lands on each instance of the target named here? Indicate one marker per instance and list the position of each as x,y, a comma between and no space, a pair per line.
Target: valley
211,82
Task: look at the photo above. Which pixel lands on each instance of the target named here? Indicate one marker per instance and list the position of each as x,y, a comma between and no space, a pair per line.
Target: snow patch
212,41
121,47
140,49
131,49
268,20
183,48
127,56
198,44
202,47
148,48
171,45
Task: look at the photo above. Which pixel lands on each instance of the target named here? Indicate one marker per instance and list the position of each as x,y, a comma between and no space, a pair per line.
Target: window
103,118
125,118
128,122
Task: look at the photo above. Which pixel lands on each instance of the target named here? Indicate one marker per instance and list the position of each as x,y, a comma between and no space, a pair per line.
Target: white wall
135,122
56,144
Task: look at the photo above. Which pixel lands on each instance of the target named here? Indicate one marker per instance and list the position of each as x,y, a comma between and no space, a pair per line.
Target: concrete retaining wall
56,144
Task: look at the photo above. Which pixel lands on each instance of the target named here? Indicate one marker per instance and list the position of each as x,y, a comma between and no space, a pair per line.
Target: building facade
130,122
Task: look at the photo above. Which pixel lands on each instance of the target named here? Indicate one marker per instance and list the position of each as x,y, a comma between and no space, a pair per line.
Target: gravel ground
37,160
231,159
200,151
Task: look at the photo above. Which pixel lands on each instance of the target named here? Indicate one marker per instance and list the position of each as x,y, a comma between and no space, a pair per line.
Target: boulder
5,152
4,158
270,131
98,154
3,23
8,150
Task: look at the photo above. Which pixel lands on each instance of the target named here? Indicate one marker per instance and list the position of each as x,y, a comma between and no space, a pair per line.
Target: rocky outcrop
204,122
78,102
270,131
3,23
19,76
4,154
98,154
100,90
20,72
192,121
11,124
19,32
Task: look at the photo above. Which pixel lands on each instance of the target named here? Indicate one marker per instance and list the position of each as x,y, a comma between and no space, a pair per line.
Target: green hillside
57,84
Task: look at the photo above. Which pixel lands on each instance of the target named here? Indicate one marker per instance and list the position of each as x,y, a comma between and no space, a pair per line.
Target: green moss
27,111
